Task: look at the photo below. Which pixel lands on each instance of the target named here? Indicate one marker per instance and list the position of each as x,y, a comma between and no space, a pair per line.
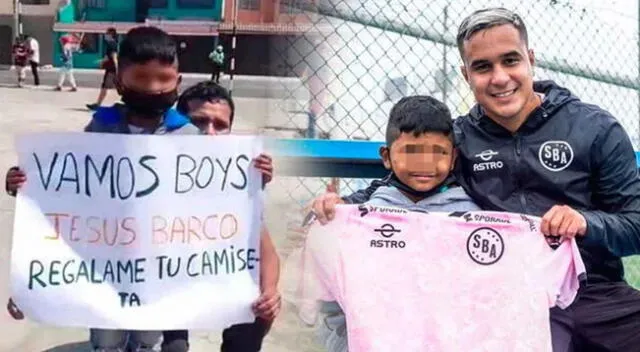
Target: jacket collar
115,115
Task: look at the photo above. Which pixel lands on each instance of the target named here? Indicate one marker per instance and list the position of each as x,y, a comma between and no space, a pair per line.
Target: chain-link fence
361,56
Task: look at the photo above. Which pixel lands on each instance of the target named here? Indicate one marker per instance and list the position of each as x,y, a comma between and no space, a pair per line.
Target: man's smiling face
498,67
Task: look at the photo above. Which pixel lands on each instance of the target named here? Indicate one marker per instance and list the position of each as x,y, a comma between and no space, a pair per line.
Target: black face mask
148,105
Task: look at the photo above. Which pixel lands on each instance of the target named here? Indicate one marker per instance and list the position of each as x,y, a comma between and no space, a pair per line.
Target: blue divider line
332,158
333,149
327,149
327,158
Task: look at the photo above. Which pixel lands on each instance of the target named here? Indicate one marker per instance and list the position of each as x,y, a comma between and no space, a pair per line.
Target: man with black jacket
534,148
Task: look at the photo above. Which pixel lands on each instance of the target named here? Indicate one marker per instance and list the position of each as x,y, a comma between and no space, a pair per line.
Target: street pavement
244,86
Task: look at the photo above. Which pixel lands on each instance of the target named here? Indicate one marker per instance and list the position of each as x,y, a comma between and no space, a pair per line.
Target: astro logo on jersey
487,162
387,231
485,246
555,155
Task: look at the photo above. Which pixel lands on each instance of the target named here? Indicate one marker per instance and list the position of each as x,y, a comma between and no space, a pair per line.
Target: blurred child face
149,90
212,118
151,77
422,162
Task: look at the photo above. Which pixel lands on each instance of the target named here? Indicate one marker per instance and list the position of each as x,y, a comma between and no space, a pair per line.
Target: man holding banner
210,107
534,148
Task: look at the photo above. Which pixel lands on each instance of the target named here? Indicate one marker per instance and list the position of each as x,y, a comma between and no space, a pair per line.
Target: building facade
266,30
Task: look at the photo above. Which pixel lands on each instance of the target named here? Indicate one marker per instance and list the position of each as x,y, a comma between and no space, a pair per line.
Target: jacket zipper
523,200
520,190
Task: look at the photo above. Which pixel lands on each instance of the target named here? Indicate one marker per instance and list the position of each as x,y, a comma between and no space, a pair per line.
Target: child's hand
264,164
268,305
15,179
14,311
324,207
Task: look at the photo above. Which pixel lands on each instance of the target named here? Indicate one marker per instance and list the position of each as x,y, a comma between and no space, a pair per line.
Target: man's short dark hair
418,114
112,31
205,91
143,44
489,18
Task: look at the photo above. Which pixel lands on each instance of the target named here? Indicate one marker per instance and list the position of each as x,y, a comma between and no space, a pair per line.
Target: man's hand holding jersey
559,221
563,221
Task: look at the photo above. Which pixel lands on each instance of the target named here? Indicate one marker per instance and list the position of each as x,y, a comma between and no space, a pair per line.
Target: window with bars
249,4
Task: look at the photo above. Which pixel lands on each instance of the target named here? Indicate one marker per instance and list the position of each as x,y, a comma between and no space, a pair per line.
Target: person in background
34,57
217,58
20,53
70,44
109,64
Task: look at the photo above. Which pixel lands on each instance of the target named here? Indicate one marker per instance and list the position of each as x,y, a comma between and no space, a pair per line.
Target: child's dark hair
418,114
205,91
112,31
143,44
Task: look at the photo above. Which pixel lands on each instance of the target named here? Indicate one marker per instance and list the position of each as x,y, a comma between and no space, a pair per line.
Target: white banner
137,232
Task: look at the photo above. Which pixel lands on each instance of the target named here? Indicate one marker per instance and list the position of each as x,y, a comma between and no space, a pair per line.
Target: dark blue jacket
567,152
112,119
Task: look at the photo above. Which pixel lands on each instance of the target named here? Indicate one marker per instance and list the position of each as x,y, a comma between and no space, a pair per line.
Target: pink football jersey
478,281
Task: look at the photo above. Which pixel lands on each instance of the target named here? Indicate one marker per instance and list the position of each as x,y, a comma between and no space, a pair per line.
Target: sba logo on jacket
555,155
